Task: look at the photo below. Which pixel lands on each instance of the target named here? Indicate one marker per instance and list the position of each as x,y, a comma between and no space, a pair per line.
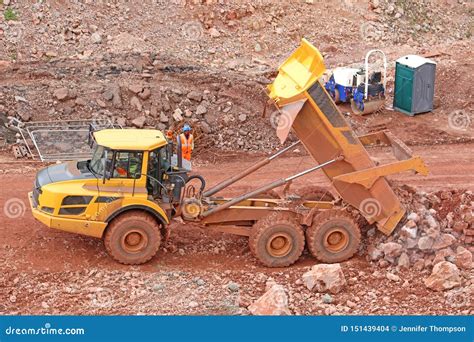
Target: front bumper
84,227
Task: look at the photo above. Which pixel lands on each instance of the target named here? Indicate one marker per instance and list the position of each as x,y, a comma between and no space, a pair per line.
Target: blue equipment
366,94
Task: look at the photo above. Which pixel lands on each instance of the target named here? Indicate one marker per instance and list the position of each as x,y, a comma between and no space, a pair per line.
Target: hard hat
186,128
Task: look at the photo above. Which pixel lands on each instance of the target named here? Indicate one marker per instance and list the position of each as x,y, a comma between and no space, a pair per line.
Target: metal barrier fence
59,140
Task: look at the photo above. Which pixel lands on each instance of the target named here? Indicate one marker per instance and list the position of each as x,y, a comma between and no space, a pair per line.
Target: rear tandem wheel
277,240
334,236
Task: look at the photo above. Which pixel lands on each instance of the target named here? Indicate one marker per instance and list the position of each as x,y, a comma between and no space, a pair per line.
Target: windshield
97,160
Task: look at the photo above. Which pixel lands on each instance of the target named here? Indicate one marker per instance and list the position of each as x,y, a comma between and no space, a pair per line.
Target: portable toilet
414,84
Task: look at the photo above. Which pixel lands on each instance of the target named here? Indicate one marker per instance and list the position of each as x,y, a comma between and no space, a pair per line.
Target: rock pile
437,233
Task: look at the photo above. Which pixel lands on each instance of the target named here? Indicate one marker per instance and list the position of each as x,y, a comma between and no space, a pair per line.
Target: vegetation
10,14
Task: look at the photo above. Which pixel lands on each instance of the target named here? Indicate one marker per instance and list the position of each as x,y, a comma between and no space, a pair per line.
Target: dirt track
35,255
451,167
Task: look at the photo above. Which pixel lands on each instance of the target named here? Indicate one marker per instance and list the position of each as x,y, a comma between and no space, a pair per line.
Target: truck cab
126,193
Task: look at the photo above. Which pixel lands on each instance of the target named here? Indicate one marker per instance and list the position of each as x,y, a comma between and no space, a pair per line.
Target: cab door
127,179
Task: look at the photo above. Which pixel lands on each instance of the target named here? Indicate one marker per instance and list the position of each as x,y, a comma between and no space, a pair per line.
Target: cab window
128,164
158,164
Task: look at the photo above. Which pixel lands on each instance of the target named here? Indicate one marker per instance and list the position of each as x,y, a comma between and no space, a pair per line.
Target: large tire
133,238
333,237
337,96
277,240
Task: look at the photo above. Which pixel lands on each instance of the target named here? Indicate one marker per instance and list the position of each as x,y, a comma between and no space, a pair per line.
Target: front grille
72,211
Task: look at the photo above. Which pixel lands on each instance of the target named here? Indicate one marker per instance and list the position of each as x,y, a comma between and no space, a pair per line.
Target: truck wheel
337,96
277,240
334,236
133,238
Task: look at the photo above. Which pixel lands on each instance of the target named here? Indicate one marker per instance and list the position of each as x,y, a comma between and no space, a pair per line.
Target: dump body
309,111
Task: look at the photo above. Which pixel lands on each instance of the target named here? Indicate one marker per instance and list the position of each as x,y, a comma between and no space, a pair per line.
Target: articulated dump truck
132,187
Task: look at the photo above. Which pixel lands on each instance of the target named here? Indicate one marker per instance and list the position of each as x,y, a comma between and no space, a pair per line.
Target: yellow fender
137,203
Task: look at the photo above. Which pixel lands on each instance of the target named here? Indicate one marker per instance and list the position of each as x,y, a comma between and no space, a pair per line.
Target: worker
187,142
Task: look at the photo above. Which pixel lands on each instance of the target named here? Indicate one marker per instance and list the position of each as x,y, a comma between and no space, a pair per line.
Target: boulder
445,276
443,241
195,96
404,261
116,97
214,33
374,253
425,243
242,117
201,109
442,255
274,302
392,277
409,232
135,88
145,94
413,217
463,258
391,250
139,122
324,278
164,118
96,38
61,94
178,115
205,127
135,103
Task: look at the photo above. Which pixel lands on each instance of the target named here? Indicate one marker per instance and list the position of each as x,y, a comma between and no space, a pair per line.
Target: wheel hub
134,241
279,244
336,240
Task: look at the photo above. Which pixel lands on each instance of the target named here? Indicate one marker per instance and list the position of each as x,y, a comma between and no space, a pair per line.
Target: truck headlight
47,210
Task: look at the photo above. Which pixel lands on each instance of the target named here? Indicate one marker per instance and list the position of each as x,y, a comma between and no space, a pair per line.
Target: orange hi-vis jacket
187,146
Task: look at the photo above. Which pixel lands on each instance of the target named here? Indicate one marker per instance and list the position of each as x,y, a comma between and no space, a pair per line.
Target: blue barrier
237,328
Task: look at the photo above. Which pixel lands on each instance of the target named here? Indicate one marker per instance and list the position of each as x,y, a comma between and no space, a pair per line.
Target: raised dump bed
279,229
309,111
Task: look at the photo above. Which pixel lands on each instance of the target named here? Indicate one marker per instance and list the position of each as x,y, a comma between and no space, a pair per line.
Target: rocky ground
160,64
424,267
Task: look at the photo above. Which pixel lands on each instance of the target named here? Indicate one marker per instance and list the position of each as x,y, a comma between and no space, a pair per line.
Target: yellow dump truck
130,189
